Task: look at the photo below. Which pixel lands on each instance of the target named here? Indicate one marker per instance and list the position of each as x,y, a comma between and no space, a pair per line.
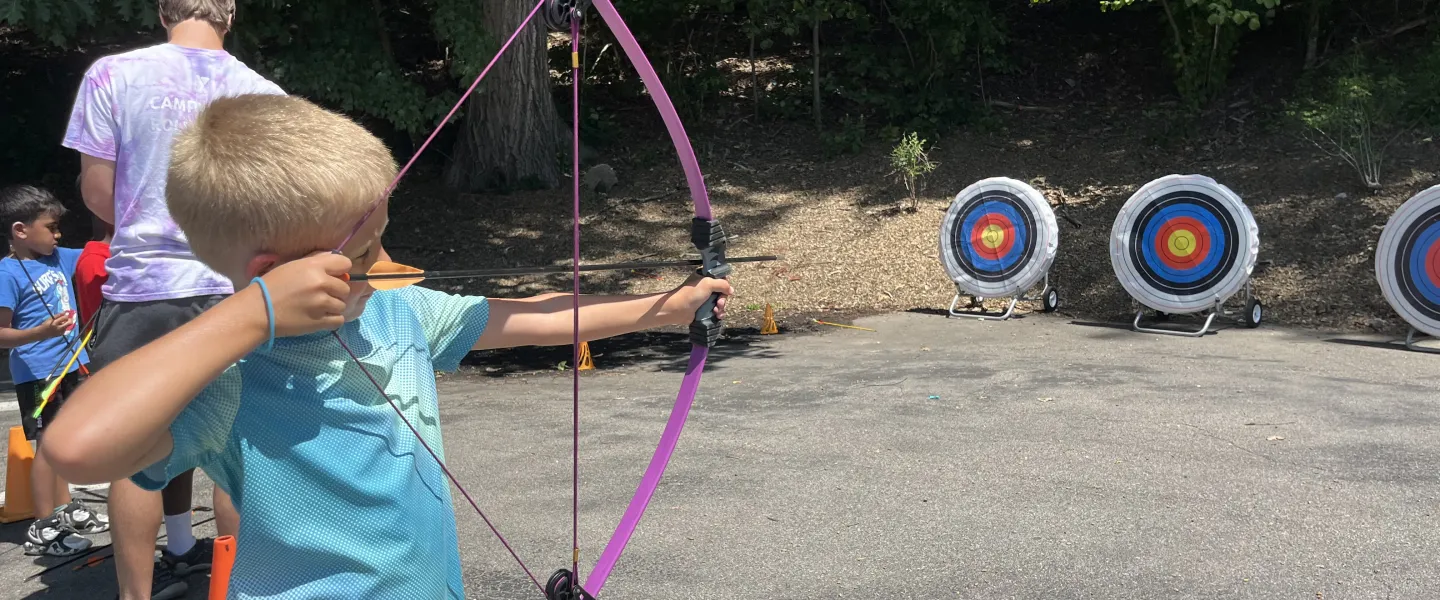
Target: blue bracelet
269,310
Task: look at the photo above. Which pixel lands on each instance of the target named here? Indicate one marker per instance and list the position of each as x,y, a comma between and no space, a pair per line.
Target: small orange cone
220,568
18,503
770,328
586,363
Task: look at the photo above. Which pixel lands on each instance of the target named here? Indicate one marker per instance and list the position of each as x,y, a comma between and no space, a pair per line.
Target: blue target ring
1420,270
1151,253
1018,227
1013,224
1204,219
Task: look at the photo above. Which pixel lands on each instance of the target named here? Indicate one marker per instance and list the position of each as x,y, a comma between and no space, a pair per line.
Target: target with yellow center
1184,244
999,238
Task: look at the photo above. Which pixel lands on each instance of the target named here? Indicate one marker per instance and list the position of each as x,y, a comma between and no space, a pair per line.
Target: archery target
1183,244
1407,262
998,238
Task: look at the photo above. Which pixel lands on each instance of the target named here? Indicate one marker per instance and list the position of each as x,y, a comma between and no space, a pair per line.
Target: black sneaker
165,584
50,537
82,519
196,560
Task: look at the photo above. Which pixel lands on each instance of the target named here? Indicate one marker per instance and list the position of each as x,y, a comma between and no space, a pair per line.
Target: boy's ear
261,264
17,231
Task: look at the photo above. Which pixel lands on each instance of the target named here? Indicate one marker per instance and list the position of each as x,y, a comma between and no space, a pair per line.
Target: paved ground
1039,458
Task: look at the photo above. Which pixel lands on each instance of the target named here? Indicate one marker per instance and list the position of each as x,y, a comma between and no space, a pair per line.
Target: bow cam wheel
559,14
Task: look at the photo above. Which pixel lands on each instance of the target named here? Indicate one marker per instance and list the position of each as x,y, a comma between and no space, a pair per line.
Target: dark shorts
28,394
124,327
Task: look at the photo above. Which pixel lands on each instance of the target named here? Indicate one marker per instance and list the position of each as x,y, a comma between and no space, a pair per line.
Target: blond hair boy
266,187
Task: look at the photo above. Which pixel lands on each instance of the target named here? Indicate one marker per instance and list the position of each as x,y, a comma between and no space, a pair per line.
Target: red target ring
1432,264
1182,243
993,236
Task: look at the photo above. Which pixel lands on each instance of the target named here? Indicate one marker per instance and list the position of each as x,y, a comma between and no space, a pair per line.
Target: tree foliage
871,65
1204,37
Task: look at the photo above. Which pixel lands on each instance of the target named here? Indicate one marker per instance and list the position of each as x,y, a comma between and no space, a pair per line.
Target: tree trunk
1312,36
815,35
511,133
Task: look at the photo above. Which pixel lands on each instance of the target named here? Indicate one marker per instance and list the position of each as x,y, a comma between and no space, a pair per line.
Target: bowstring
370,212
575,304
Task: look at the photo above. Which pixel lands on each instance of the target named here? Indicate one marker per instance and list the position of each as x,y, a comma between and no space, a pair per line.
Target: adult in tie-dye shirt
126,114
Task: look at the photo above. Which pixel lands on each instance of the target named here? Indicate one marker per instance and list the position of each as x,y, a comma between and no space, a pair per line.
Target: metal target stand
1049,301
1411,345
1250,317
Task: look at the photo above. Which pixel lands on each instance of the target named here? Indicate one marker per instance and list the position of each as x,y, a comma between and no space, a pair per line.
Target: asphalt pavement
1040,458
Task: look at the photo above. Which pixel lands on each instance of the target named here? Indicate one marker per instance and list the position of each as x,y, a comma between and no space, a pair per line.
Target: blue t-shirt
298,433
33,290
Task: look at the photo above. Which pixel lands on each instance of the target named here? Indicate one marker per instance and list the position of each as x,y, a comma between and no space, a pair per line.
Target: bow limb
701,348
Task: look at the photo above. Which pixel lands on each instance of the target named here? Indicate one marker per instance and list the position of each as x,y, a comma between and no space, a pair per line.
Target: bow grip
709,238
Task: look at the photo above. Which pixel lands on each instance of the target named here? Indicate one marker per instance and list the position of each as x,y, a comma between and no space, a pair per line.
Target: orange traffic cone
220,568
586,363
18,503
770,327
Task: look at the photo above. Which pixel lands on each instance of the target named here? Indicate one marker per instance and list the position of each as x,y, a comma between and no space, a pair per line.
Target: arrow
389,276
55,383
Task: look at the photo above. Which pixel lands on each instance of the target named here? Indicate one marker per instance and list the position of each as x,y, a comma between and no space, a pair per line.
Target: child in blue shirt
265,187
37,323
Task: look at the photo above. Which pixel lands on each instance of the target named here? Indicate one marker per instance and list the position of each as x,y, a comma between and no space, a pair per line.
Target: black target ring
990,210
1150,267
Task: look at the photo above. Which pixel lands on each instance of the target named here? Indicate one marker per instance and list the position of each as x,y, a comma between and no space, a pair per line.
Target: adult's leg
227,519
134,524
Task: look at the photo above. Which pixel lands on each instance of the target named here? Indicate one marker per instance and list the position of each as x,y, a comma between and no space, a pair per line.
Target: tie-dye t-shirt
128,110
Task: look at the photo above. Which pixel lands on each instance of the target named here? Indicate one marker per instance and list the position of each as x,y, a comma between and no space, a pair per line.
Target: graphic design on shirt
47,281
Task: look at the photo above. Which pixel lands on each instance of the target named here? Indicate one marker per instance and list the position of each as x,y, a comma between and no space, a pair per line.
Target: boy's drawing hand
59,324
687,298
308,294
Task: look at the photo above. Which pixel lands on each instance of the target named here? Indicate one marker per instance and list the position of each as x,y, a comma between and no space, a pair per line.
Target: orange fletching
390,268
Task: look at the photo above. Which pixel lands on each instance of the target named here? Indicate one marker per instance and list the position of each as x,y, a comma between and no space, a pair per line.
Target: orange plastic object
586,362
19,504
224,561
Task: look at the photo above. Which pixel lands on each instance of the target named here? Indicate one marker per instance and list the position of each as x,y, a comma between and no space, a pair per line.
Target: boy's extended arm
117,423
11,337
548,320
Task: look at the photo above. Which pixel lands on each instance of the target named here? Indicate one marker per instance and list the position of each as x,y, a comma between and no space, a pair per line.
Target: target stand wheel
1184,244
998,240
1407,265
1254,314
1050,299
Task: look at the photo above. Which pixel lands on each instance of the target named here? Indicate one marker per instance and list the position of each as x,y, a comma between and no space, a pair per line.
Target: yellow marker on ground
839,325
